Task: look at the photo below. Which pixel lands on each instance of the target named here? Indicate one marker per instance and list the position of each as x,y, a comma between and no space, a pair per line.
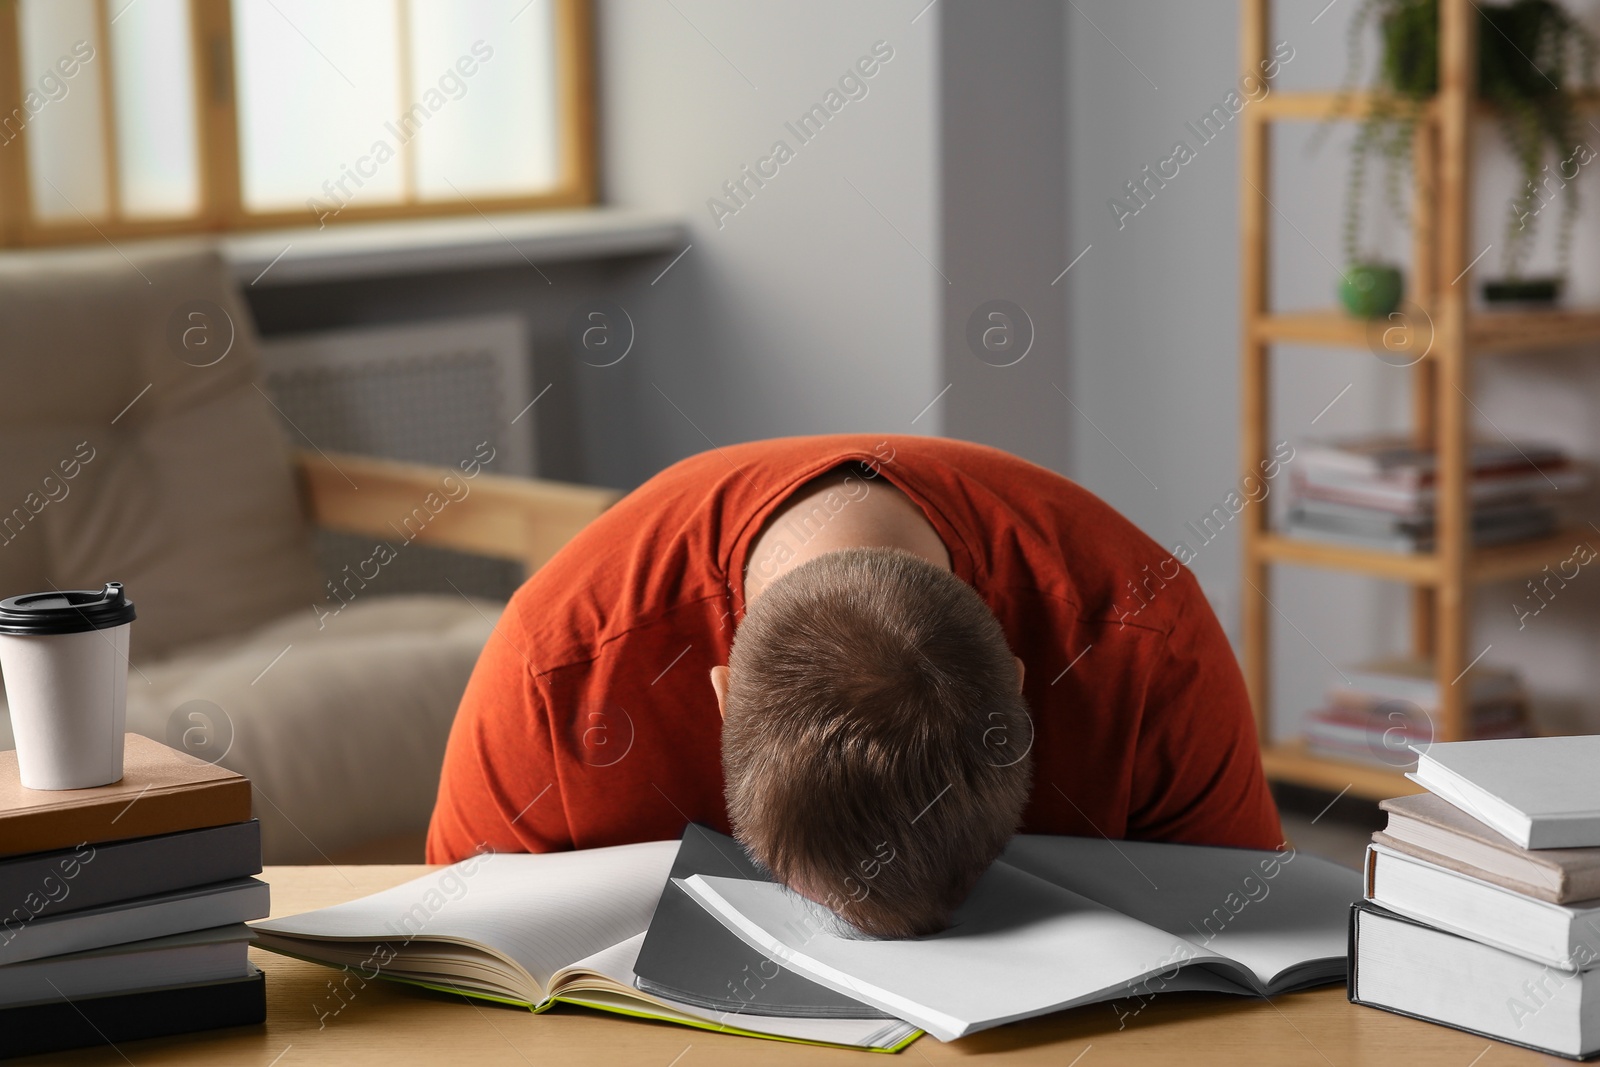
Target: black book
57,1025
690,957
1410,968
45,884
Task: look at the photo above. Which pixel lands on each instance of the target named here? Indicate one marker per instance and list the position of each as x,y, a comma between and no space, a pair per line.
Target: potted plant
1532,57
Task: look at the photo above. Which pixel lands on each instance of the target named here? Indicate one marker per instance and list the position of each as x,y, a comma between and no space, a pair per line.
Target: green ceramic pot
1371,290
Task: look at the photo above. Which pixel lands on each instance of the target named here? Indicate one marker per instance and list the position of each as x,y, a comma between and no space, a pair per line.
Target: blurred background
263,255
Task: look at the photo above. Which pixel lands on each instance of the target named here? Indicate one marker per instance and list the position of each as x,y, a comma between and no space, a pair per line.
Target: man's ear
719,682
1020,670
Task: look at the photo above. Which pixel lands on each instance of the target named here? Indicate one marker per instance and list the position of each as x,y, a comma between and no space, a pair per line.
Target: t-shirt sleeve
1198,777
499,790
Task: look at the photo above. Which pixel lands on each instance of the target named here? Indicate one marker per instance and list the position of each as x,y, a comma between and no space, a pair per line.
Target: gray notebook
1063,921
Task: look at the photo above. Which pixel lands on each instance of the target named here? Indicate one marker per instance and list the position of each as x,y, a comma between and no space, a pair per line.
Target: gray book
1063,921
215,954
54,883
134,920
690,957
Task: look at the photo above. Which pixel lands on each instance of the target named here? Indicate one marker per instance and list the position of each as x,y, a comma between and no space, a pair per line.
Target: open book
1063,921
532,930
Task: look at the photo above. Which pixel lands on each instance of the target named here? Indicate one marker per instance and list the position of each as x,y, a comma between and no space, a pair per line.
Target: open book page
1282,915
540,912
1019,947
617,993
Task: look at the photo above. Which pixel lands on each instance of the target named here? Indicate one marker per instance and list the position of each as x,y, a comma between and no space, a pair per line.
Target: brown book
1437,831
163,791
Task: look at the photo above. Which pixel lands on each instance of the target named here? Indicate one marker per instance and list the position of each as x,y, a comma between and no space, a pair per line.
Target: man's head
876,742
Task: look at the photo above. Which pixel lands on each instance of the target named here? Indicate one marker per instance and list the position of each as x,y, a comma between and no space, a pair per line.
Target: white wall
1153,336
814,308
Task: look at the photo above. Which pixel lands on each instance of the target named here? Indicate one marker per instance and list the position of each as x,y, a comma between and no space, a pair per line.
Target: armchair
335,699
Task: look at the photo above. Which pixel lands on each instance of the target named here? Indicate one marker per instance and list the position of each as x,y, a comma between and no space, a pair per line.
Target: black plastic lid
65,611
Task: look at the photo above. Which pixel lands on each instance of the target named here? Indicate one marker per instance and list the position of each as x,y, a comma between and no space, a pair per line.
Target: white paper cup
64,656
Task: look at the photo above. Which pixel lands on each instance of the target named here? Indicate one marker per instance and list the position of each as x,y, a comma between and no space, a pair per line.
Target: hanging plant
1532,57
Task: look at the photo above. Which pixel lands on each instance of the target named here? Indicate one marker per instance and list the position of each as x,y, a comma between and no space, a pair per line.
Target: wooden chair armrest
524,519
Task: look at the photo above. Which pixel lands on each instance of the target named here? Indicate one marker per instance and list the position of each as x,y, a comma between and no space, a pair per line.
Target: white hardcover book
1561,935
1540,792
1403,966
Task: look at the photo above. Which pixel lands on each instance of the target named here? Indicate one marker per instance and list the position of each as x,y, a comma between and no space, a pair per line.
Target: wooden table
389,1024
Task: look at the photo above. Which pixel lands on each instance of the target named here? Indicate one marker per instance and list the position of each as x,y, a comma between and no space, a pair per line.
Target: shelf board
1527,557
1483,565
1416,568
1318,106
1523,330
1291,762
1328,326
1487,331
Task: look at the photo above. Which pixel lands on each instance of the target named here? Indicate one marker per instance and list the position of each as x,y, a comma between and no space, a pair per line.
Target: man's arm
1198,778
498,790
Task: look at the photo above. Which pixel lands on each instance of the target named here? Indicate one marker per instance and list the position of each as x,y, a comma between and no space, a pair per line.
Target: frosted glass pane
482,117
62,116
152,75
317,82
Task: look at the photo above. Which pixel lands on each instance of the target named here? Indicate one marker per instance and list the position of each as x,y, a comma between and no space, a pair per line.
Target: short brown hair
876,748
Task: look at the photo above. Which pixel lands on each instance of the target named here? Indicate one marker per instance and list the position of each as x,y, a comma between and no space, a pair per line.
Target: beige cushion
343,736
190,499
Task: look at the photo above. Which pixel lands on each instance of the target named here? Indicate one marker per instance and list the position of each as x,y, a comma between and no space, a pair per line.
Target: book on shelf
1059,922
1407,967
1414,679
1398,459
1560,935
1539,792
72,879
1489,524
1381,492
1358,519
214,954
1391,738
1410,542
479,929
1420,503
53,1026
1388,707
1437,831
162,791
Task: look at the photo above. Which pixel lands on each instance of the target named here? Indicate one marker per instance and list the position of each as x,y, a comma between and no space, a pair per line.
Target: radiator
424,392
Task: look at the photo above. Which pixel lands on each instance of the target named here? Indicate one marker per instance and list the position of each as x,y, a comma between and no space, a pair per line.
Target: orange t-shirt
590,718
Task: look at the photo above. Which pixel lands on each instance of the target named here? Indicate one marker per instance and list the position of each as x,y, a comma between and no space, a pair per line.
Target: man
916,649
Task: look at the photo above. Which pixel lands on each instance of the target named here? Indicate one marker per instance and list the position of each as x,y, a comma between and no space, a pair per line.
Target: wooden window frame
217,131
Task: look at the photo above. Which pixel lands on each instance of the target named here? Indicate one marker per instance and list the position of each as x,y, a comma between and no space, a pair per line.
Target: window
126,117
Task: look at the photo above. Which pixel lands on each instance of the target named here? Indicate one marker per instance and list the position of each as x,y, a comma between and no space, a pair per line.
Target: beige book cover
1432,829
162,791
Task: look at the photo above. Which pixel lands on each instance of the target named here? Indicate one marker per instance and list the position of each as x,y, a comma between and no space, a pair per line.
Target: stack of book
1482,907
1384,709
1381,491
122,908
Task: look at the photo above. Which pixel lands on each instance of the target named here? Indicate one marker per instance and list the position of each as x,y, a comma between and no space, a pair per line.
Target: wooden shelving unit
1436,348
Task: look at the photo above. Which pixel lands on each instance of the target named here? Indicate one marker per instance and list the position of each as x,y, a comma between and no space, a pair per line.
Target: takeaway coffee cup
64,656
